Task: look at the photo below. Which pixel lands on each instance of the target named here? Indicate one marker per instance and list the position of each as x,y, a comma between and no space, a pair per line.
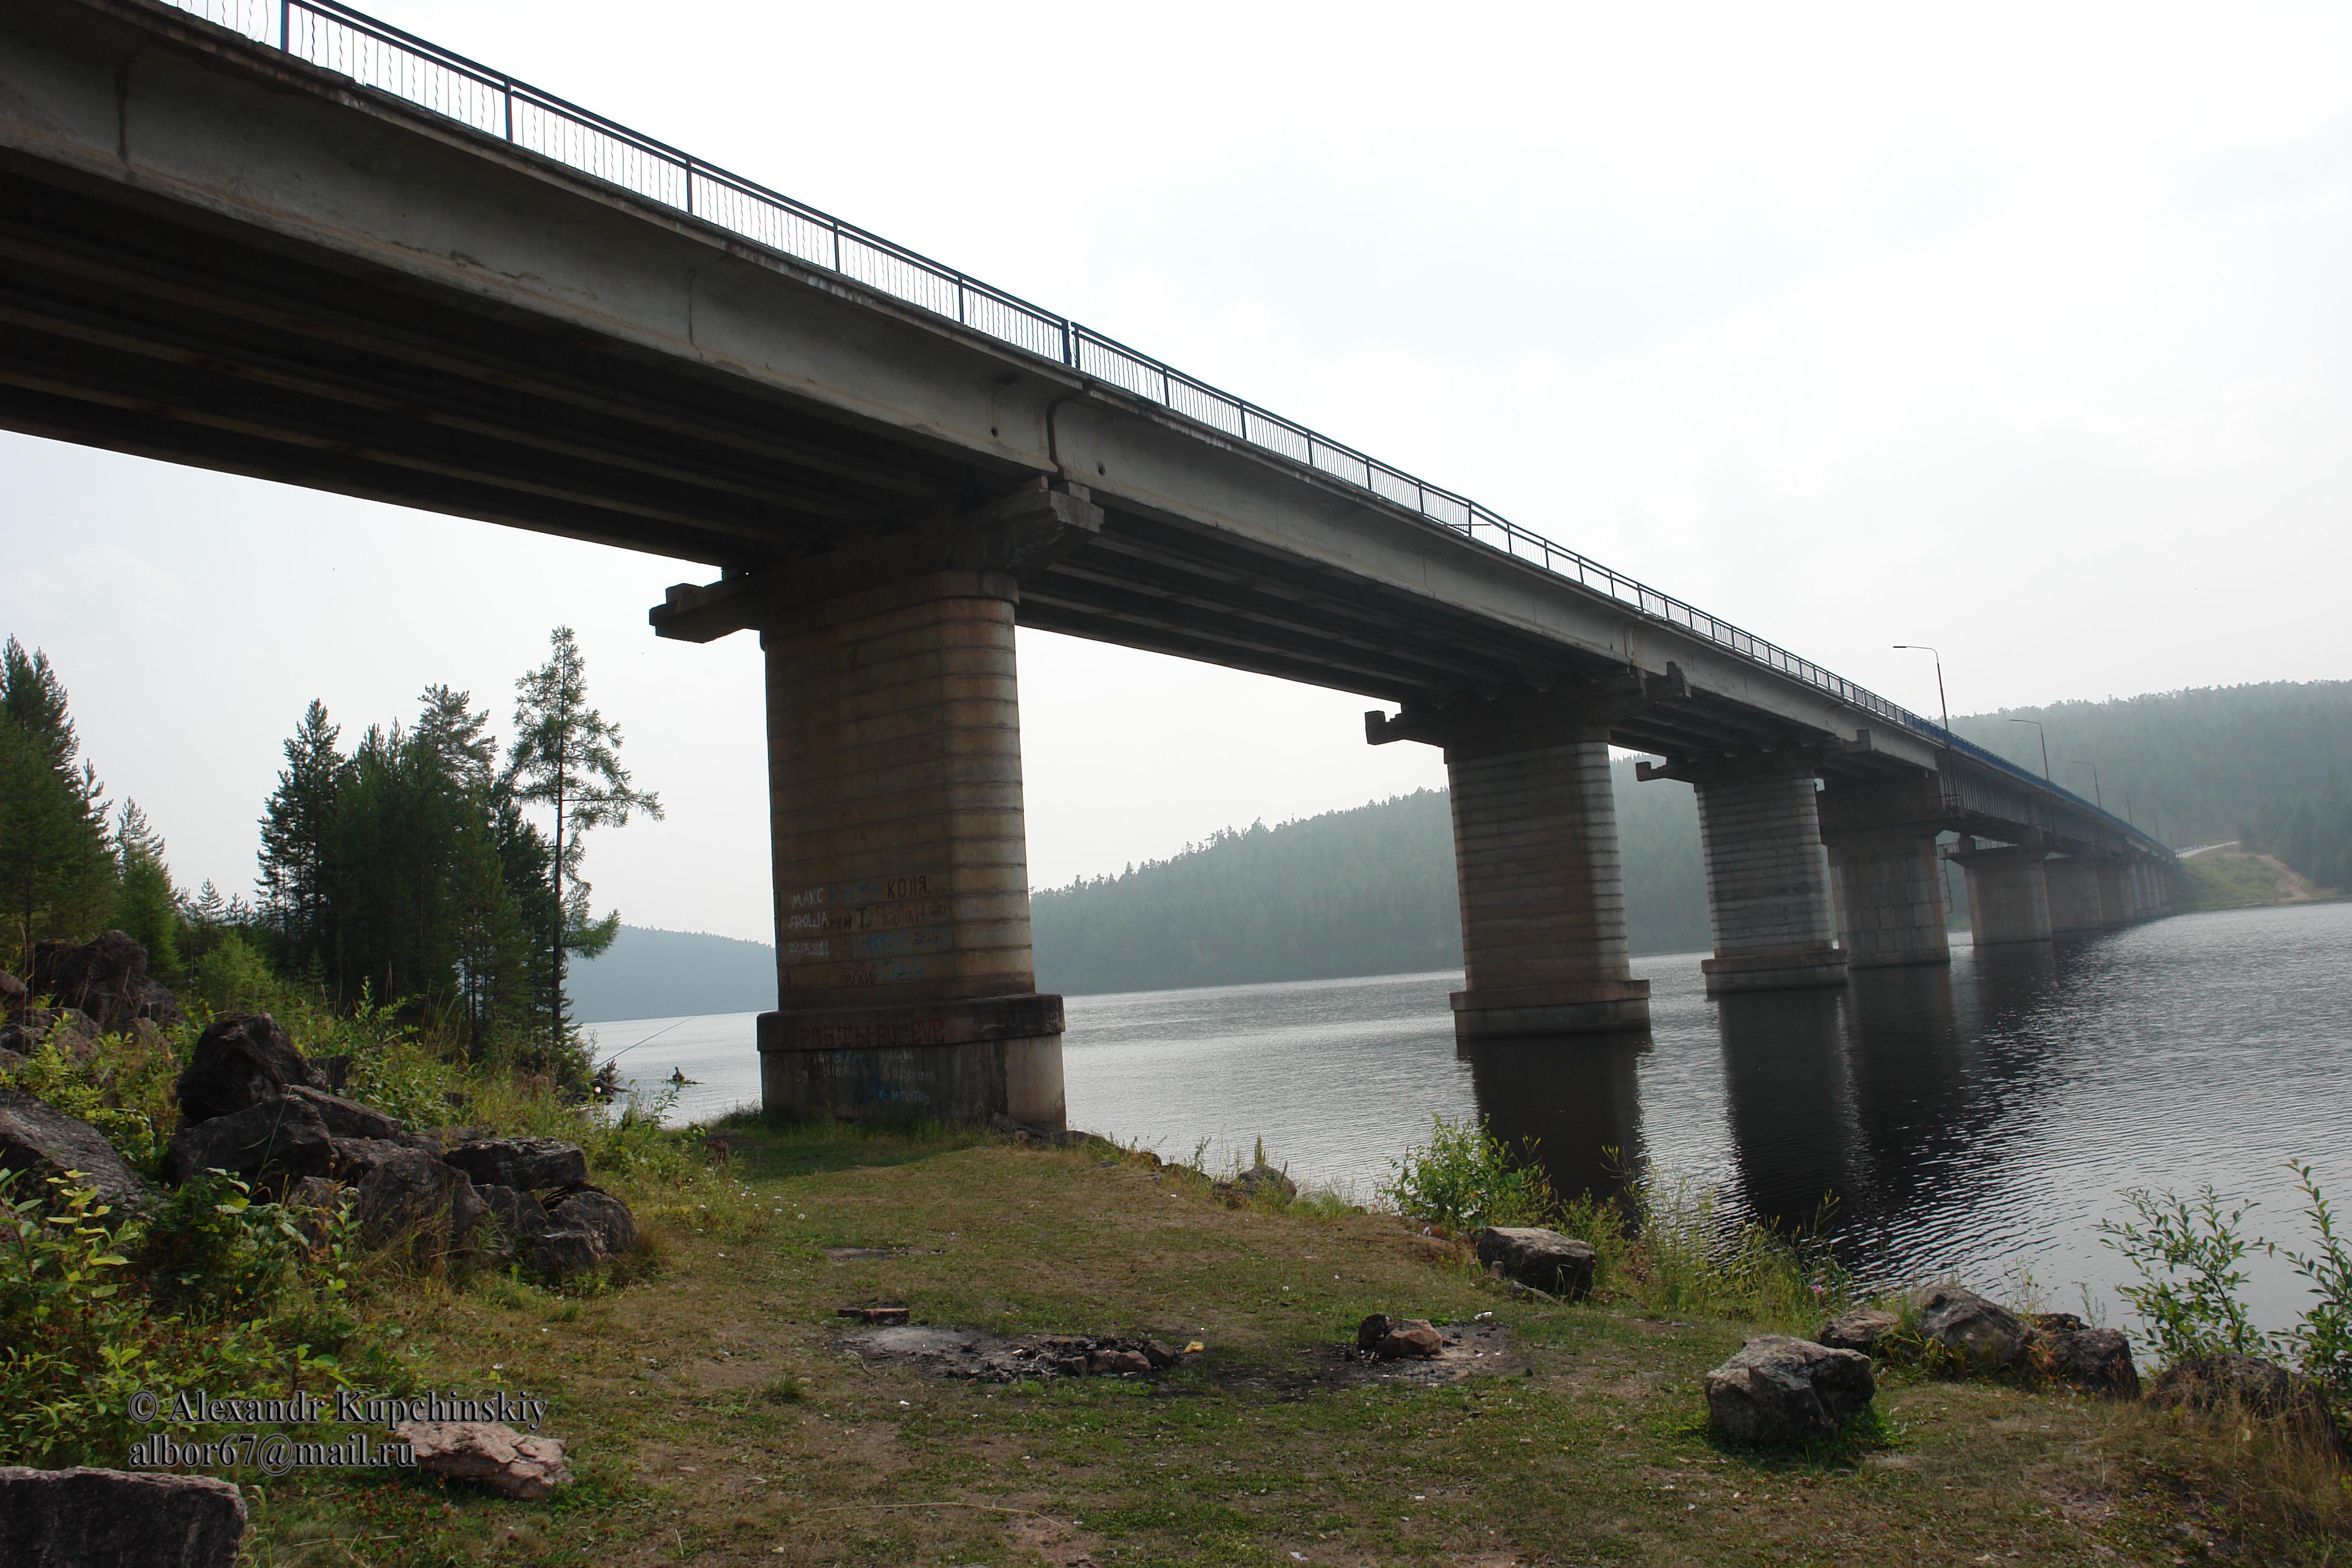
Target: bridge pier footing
2009,899
1768,885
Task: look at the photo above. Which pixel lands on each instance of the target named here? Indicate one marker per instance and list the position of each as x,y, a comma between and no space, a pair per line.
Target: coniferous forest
419,866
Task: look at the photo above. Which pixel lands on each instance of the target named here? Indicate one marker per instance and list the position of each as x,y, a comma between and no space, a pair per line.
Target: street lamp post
2125,796
2095,799
2045,745
1940,700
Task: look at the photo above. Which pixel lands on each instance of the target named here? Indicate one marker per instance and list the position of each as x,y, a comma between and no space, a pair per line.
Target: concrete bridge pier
2076,906
2009,897
1535,857
905,982
1768,882
2115,902
1885,878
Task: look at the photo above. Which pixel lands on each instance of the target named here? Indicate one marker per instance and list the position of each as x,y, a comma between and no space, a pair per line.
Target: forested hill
2193,767
1368,891
672,975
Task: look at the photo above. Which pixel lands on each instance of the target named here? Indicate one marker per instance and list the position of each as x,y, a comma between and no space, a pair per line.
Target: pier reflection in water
1975,1119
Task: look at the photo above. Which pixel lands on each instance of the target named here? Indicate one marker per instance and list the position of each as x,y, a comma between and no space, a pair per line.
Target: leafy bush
2186,1252
1464,1178
119,1070
2324,1338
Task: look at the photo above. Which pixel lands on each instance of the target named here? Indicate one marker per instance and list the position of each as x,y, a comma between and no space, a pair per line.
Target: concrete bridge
304,247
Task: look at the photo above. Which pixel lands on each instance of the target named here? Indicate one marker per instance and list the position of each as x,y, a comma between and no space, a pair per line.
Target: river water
1977,1121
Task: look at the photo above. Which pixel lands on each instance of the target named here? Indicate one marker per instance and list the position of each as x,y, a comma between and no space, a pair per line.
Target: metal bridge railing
376,55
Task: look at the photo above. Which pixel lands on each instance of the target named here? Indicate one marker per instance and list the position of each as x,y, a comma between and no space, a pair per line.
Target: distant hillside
1366,891
1370,892
2193,766
670,974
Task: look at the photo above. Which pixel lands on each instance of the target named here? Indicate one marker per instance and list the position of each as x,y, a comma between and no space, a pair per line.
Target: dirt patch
989,1358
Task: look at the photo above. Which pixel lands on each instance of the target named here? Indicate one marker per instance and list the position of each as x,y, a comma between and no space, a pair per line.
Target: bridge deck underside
135,325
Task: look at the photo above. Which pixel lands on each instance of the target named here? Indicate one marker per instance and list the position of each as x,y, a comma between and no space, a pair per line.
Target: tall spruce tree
296,830
567,756
56,874
145,905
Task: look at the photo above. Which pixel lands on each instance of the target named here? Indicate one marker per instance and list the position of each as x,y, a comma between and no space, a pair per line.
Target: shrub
1465,1177
2186,1252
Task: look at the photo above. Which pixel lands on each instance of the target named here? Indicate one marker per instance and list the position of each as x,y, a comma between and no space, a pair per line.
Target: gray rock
1865,1328
1263,1178
1784,1390
1984,1335
583,1207
350,1118
85,1518
14,995
1117,1363
2097,1360
498,1457
313,1201
9,1061
72,1031
271,1138
42,1141
355,1157
1543,1258
521,1221
563,1252
2227,1383
531,1164
413,1197
105,979
1397,1338
242,1059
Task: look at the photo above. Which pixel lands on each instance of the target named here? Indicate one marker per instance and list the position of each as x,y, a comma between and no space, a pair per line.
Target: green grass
714,1414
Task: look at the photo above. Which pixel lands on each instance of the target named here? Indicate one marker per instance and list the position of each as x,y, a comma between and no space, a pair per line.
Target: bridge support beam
2116,905
2008,900
1535,857
1768,885
906,986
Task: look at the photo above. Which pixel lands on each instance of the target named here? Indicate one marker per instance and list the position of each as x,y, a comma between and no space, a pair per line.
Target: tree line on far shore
411,870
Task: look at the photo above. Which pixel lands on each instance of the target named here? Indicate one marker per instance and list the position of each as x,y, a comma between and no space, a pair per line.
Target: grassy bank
716,1413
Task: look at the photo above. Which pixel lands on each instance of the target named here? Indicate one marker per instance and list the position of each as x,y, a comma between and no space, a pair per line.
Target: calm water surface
1981,1121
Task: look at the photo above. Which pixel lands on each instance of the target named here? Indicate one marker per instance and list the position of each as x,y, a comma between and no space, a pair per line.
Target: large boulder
353,1158
1865,1328
521,1221
1534,1255
2228,1384
498,1457
85,1518
242,1059
414,1197
1262,1178
531,1164
585,1225
1783,1390
14,996
37,1138
1981,1334
72,1030
105,979
350,1118
2097,1360
279,1136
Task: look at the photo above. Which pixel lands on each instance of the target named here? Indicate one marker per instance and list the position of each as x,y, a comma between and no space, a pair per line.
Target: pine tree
57,876
567,756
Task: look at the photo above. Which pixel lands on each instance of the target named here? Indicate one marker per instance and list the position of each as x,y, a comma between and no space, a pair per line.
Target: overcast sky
2019,331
